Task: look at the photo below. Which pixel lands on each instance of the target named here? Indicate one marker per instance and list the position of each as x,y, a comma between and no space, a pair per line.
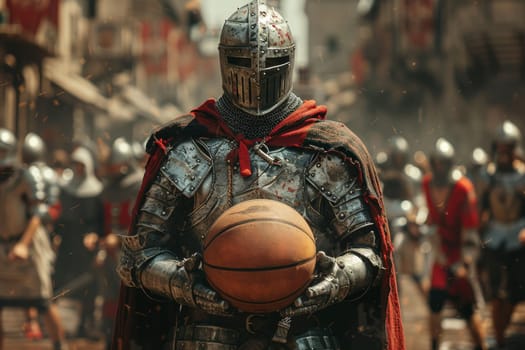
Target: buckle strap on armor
317,340
211,334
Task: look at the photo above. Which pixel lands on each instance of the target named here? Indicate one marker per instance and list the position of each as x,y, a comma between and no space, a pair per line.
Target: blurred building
87,69
424,68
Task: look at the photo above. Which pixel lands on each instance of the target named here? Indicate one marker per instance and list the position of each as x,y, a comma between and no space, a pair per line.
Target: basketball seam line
253,220
266,268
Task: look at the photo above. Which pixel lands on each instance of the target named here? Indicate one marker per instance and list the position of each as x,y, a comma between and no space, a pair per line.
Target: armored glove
332,286
189,287
187,284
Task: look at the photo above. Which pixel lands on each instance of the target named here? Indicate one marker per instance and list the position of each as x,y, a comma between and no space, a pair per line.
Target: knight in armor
401,180
503,228
26,255
47,193
399,177
258,140
78,229
121,185
453,218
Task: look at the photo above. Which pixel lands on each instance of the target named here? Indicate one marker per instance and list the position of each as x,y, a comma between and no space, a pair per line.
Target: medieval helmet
33,149
398,151
397,145
121,152
256,51
479,157
443,150
442,161
507,133
7,148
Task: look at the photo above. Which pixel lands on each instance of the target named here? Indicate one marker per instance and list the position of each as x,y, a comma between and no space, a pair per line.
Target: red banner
30,14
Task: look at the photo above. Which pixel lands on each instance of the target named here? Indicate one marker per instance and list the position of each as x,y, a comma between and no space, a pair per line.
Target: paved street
455,336
13,324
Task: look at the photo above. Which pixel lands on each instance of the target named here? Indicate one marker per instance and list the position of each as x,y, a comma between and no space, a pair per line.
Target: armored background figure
121,185
258,140
503,208
26,257
48,188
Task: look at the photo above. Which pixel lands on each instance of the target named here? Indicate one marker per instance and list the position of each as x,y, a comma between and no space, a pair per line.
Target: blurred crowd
61,214
458,230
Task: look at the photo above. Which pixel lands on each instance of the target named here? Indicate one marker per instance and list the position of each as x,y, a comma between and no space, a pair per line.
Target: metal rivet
341,215
192,188
334,197
318,165
312,174
328,193
323,188
163,213
176,181
192,177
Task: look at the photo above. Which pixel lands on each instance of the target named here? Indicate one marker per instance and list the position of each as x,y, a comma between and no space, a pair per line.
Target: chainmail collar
255,126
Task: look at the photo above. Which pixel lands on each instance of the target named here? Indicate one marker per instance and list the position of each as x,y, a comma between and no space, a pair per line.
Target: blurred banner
32,14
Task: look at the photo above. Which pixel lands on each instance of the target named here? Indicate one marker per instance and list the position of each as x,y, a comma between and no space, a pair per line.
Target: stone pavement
414,311
455,334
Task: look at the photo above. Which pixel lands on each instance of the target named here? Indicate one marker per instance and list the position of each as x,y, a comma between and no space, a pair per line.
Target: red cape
304,128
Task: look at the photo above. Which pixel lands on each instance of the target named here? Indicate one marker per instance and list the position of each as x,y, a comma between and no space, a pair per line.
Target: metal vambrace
356,271
168,277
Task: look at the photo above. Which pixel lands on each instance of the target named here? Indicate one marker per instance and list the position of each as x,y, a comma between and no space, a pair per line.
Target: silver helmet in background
33,149
507,133
257,54
7,148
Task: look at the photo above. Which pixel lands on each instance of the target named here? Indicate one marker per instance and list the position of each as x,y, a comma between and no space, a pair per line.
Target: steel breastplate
506,204
224,186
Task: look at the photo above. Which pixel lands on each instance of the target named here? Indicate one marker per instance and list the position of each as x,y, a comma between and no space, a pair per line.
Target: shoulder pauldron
186,167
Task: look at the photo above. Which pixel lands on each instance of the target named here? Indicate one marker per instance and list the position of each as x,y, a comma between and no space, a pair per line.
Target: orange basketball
259,255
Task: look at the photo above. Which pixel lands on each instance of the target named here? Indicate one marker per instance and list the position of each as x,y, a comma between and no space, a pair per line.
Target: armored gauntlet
184,282
350,274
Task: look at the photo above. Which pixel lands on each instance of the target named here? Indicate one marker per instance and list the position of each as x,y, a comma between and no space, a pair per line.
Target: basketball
259,255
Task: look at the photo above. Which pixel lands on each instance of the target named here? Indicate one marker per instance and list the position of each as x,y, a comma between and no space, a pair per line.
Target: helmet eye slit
240,61
276,61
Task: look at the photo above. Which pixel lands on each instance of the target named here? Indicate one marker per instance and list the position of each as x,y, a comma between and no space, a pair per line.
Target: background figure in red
453,215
